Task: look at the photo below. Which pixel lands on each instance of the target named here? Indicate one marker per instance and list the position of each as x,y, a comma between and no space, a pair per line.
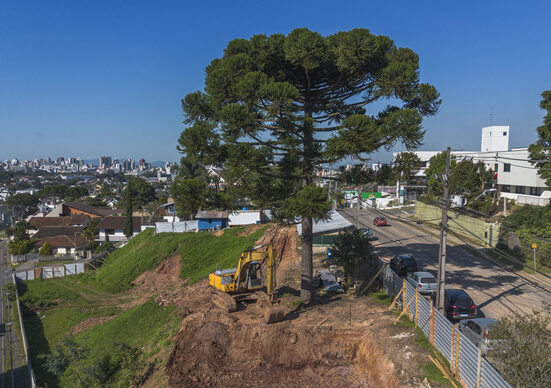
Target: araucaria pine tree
275,106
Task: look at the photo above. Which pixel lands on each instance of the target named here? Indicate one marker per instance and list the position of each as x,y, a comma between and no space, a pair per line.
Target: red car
379,221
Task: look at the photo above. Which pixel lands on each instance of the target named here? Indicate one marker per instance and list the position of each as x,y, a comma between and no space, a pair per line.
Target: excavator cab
247,277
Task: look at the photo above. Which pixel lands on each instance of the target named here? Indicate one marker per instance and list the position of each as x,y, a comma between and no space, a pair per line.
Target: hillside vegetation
52,307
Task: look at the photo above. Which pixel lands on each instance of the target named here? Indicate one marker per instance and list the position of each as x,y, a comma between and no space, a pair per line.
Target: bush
521,348
45,249
20,247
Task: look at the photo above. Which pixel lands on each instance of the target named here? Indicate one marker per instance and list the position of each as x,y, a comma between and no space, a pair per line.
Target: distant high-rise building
142,161
105,162
60,159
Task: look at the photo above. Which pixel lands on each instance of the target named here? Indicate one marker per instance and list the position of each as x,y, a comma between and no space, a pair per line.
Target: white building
516,178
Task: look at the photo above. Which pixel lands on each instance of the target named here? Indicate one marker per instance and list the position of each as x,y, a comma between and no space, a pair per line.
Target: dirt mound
216,349
285,242
89,323
166,273
250,230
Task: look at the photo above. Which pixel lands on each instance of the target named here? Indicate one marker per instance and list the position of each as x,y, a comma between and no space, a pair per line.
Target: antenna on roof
491,115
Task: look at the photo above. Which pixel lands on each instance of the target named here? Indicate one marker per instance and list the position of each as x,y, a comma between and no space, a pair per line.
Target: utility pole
443,238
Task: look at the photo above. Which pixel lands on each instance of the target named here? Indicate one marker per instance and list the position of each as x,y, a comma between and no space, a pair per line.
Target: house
71,208
64,245
211,219
113,226
73,220
63,239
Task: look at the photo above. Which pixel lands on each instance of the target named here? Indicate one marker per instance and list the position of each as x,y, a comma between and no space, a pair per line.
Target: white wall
495,138
244,217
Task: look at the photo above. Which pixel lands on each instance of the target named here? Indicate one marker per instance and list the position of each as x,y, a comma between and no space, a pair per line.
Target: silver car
425,281
477,330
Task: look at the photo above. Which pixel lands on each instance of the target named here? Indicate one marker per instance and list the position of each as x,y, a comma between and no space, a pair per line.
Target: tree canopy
406,165
278,105
540,151
141,191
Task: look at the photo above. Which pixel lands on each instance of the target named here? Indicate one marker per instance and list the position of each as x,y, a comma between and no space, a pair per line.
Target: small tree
189,196
521,348
350,250
541,149
45,249
406,165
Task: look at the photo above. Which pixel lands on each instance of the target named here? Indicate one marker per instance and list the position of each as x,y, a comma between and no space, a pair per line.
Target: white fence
461,353
51,272
176,227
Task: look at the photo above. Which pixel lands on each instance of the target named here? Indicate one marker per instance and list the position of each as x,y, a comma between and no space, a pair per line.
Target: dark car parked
403,265
458,305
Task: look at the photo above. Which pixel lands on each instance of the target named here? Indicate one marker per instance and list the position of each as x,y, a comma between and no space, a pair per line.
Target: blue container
329,253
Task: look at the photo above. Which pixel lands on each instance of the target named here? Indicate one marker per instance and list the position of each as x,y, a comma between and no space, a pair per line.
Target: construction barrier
466,361
51,272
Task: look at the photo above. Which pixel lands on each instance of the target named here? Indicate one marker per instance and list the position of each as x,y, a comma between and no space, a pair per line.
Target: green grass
53,263
142,253
380,297
52,306
201,252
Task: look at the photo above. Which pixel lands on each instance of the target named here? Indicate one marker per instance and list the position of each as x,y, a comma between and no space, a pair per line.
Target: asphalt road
496,290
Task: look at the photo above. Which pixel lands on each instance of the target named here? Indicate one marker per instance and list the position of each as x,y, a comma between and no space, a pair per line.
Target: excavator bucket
274,314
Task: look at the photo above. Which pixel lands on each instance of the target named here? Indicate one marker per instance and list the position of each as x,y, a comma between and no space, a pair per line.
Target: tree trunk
306,261
307,171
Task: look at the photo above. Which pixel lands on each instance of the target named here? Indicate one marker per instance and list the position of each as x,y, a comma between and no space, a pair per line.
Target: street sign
534,246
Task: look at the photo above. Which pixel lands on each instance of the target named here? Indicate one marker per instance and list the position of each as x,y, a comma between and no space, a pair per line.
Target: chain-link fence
465,358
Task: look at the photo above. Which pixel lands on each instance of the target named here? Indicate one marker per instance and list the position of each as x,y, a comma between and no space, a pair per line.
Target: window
504,133
535,190
496,167
519,190
506,167
109,231
505,188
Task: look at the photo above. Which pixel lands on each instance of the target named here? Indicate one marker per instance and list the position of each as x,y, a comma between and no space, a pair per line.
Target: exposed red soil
215,349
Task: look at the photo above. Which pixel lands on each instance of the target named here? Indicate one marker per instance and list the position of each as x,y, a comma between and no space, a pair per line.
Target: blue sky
91,78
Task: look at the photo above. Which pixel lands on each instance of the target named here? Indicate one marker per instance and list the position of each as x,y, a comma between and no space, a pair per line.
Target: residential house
63,239
64,245
114,226
71,208
212,219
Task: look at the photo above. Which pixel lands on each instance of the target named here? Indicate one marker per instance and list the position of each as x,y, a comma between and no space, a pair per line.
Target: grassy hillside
52,307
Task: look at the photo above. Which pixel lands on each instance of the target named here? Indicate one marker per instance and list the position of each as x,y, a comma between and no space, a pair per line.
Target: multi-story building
516,178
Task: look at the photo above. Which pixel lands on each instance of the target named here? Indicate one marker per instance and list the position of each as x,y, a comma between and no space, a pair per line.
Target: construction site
338,339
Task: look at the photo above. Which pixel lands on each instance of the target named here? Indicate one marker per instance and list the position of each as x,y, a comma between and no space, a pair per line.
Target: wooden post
479,368
457,354
416,306
404,295
64,271
431,323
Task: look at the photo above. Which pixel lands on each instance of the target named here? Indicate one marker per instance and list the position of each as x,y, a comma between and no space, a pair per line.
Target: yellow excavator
247,277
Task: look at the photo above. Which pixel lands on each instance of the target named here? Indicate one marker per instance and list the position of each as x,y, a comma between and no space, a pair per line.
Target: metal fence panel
467,362
491,378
